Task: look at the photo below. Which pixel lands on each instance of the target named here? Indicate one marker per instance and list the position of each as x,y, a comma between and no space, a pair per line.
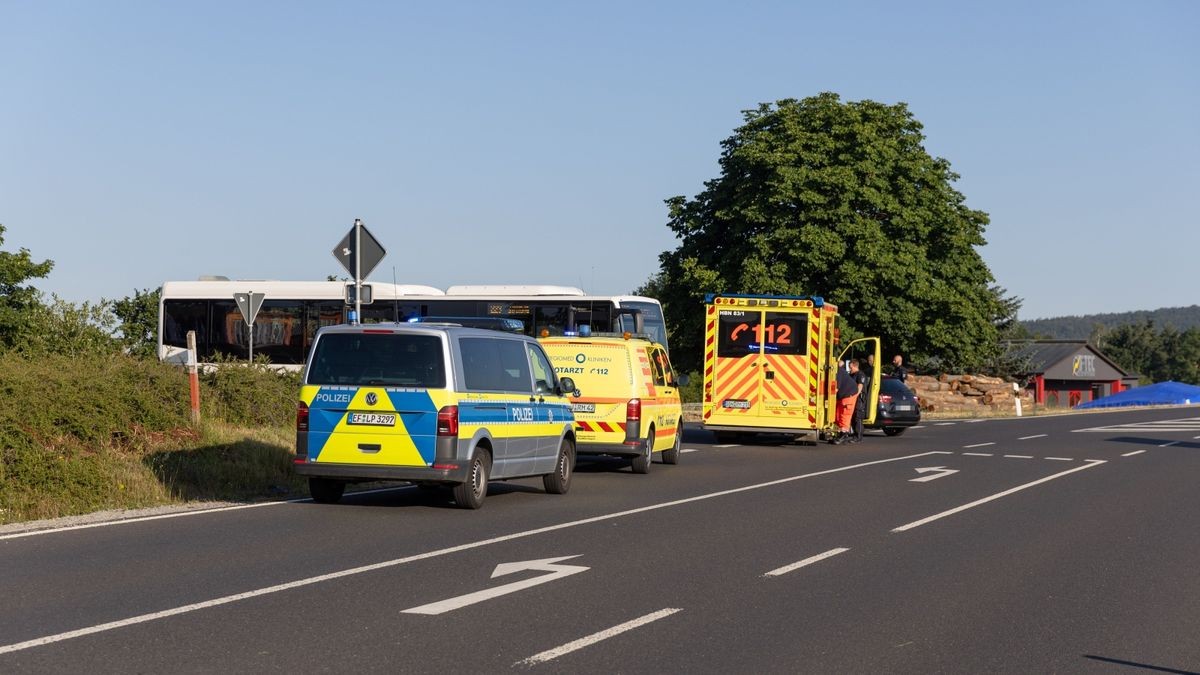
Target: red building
1065,373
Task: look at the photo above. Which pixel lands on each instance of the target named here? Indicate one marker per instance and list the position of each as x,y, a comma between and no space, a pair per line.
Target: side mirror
566,387
682,381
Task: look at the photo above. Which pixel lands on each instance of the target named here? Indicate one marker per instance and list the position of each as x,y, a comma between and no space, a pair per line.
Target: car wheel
672,456
641,463
894,431
326,490
559,482
470,494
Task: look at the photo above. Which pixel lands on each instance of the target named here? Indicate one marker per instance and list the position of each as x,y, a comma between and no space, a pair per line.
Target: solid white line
973,421
143,618
1131,454
592,639
1026,438
919,426
181,514
979,454
1061,459
978,445
1019,456
728,445
944,424
998,495
686,450
807,561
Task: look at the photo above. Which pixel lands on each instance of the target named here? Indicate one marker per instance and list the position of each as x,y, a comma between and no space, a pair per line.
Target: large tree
18,302
841,200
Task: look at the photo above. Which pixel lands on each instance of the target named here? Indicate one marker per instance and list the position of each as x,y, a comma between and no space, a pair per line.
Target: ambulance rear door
860,349
763,376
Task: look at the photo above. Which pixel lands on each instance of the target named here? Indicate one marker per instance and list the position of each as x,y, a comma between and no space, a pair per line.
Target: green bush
250,395
107,430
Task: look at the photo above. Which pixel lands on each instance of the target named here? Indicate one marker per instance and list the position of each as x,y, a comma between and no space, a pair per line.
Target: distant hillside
1081,327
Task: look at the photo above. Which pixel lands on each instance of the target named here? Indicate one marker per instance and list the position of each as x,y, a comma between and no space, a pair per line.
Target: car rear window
892,386
378,359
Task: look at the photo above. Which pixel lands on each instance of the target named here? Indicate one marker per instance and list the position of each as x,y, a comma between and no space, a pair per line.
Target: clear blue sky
534,142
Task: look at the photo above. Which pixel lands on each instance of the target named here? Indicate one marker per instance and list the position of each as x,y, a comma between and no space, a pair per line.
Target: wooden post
193,376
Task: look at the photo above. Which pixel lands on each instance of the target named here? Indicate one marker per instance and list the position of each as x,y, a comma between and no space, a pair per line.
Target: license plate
735,404
902,406
372,419
583,407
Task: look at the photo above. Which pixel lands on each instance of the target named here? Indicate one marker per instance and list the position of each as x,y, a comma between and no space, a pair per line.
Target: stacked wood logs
965,393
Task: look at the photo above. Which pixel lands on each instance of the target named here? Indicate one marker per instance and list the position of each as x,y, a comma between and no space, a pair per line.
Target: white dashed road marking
803,563
979,454
1131,454
978,445
1019,456
592,639
1026,438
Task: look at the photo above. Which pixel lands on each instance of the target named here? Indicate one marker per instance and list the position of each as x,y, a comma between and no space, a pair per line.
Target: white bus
292,311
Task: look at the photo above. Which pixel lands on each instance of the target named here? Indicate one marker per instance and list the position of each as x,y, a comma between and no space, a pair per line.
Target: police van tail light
885,398
633,410
447,421
301,416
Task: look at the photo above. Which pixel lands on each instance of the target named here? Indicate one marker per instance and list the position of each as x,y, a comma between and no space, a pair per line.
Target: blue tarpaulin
1162,393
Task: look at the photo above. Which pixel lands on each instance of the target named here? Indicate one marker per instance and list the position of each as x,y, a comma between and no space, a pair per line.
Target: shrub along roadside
84,433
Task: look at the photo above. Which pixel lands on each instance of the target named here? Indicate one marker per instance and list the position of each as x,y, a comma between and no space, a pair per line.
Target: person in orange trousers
847,398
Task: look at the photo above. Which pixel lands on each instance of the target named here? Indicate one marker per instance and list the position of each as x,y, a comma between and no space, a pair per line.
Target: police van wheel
672,456
326,490
470,494
641,463
559,482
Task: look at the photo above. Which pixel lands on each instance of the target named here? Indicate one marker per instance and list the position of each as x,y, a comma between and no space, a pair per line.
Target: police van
629,405
434,404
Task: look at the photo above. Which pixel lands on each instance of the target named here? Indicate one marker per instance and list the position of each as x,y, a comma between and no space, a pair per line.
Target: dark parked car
898,408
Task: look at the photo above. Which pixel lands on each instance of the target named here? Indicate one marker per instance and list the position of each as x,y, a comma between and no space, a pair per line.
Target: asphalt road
1052,544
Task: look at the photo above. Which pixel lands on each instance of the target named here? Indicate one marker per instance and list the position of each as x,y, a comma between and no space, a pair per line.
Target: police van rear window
378,359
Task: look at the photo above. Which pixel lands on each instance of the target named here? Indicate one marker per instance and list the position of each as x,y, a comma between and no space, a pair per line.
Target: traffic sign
249,304
372,251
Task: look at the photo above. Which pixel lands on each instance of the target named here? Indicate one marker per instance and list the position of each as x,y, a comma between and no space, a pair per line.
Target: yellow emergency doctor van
630,405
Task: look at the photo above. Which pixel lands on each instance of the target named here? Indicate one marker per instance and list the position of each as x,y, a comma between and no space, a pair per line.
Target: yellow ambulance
630,405
770,366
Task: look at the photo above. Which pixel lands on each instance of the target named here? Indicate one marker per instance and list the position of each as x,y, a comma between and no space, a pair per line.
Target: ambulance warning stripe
743,378
600,426
814,357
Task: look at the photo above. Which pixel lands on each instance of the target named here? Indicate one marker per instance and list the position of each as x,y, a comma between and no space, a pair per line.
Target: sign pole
250,327
358,270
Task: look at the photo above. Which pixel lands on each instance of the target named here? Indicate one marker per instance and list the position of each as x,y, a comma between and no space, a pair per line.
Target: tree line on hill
1089,326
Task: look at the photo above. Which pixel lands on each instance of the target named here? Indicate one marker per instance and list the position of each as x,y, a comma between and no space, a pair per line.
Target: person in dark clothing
860,404
898,370
847,395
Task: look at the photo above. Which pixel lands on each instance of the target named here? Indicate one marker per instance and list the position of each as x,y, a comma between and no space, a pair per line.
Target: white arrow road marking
543,565
942,471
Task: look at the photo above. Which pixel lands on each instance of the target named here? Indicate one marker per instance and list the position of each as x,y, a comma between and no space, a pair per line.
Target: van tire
641,462
672,456
470,493
558,482
326,490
